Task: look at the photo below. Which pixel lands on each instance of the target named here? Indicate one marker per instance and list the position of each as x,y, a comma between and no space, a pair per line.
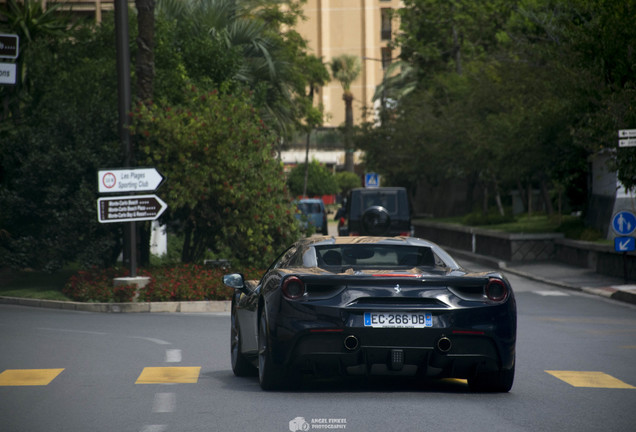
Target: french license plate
398,319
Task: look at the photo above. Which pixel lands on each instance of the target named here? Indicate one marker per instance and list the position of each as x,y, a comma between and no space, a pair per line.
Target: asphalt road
78,371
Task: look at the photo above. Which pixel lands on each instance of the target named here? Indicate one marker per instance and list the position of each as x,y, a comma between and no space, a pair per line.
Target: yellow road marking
28,377
455,380
590,379
169,375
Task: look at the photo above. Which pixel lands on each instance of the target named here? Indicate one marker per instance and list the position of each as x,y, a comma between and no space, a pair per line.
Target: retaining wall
530,247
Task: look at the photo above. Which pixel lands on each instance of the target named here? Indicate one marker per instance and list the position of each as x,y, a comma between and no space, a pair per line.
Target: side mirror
236,281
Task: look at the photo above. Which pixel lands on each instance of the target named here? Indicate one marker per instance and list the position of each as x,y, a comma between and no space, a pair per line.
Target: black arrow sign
130,208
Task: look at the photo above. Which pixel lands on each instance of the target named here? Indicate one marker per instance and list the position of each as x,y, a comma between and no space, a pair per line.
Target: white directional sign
627,133
130,208
627,142
8,73
128,180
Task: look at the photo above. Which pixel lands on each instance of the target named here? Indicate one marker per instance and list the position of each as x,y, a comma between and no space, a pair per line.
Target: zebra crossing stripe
28,377
590,379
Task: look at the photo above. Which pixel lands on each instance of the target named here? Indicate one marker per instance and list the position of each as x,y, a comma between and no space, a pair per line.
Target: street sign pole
123,86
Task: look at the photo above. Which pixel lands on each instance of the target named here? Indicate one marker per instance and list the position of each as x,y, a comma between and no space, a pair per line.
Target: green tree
224,185
32,23
346,69
320,181
346,181
49,157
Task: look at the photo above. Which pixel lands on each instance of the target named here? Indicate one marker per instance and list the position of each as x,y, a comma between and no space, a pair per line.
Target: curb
145,307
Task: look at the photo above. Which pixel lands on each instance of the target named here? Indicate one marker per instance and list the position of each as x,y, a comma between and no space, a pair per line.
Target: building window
386,30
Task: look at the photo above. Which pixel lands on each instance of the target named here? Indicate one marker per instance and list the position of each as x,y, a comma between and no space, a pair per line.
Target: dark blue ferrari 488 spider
373,306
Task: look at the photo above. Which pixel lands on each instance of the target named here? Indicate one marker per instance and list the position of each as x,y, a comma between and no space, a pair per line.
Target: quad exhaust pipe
351,343
444,344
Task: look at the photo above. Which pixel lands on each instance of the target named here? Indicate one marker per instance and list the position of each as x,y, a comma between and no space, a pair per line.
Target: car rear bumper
338,344
356,352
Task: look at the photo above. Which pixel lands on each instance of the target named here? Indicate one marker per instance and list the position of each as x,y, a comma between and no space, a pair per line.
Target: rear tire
493,382
241,366
270,375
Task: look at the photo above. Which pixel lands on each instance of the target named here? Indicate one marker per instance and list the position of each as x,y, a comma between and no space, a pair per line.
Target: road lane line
173,356
590,379
153,340
164,403
551,293
28,377
72,331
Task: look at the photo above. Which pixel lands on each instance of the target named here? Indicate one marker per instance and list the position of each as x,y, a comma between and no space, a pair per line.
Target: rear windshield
309,208
377,256
395,202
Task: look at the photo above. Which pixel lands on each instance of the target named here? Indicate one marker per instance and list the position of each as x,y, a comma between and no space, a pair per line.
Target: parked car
373,306
312,211
382,211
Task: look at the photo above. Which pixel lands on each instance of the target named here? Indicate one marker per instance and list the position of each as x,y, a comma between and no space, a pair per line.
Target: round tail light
496,290
293,288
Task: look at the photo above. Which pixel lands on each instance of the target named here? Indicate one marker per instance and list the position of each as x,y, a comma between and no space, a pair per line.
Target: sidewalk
561,275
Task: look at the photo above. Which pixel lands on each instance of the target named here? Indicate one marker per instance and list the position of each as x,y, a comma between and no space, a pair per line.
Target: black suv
383,211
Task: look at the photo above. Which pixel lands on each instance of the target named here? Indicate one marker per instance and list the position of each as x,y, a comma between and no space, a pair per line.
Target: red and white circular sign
109,180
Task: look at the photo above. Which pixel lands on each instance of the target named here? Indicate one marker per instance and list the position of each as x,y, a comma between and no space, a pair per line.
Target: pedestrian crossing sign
371,180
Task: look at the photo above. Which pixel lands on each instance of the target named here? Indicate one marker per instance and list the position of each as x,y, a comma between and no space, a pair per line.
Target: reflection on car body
373,305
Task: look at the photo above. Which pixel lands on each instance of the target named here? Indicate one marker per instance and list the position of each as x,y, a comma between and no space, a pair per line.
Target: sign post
129,208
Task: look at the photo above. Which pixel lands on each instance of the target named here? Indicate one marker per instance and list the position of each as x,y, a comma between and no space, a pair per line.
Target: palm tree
345,69
239,27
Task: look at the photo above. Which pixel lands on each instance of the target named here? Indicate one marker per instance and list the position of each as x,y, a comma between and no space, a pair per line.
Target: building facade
363,28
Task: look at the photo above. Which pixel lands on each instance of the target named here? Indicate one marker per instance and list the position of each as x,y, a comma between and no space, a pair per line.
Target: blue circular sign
624,223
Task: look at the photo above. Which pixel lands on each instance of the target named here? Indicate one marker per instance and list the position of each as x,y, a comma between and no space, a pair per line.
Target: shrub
187,282
96,285
491,218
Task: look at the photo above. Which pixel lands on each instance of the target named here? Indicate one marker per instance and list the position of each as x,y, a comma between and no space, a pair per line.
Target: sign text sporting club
130,208
128,180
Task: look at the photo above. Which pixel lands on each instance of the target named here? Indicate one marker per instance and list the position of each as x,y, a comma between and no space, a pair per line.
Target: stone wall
529,247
